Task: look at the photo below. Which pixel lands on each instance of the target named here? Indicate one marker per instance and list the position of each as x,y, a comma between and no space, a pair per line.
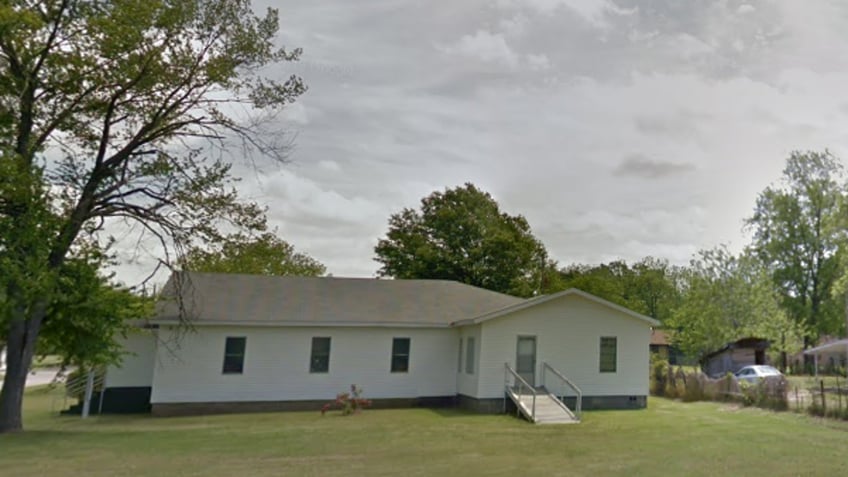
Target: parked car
752,374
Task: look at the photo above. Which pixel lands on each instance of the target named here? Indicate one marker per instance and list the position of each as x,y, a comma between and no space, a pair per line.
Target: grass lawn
810,382
669,438
50,361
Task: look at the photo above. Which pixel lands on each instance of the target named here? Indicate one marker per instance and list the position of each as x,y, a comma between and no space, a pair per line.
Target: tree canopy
116,112
461,234
265,254
87,314
649,286
728,298
797,236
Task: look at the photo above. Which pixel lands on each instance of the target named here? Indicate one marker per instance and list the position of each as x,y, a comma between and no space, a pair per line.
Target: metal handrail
579,400
76,386
523,383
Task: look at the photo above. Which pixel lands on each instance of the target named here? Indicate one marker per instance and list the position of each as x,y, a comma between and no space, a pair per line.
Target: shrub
815,408
659,373
348,403
769,393
693,386
766,393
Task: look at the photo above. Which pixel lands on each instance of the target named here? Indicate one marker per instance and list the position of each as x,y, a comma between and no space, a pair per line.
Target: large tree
265,254
461,234
727,298
109,113
88,315
649,286
796,236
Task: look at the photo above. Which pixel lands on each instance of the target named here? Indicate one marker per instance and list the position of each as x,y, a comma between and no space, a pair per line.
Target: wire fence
824,397
821,397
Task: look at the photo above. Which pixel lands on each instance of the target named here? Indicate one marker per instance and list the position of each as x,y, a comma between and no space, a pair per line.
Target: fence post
824,401
797,406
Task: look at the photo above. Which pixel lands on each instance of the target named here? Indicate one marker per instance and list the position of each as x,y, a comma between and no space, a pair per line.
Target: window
459,358
234,355
609,352
400,355
319,360
469,355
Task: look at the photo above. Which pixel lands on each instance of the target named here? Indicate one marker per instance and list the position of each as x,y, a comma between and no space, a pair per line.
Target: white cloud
515,25
745,9
296,113
538,62
485,46
329,165
594,12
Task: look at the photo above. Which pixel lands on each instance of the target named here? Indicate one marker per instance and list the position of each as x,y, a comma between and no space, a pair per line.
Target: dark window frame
400,359
607,363
319,359
233,356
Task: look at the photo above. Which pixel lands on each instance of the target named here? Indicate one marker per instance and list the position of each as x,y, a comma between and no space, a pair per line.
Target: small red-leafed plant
348,403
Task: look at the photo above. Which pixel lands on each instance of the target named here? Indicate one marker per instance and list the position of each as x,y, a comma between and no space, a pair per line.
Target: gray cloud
637,165
543,103
684,124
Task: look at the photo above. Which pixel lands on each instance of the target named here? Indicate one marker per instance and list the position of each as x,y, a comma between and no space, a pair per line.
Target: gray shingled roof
211,298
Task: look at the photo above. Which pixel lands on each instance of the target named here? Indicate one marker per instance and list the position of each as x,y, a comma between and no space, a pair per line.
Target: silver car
752,374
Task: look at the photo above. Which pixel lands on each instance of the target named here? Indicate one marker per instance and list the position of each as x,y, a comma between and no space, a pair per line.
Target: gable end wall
568,332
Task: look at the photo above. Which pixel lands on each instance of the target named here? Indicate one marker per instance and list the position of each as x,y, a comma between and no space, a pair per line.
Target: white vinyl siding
568,331
275,368
136,367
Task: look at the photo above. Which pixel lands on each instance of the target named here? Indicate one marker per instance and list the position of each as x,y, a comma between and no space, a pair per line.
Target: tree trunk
20,349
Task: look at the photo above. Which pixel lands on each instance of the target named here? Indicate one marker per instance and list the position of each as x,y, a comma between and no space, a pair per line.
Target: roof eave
546,298
300,324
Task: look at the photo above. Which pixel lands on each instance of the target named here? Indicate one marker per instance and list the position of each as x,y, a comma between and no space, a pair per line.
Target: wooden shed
734,356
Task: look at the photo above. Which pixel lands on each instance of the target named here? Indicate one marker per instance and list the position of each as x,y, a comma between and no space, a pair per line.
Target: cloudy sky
619,128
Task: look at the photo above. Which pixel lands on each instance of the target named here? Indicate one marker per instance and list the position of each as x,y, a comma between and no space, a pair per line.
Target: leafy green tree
265,254
88,315
655,287
727,298
607,280
461,234
649,286
107,110
796,235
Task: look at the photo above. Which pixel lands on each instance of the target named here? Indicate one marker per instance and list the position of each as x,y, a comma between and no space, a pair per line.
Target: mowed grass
669,438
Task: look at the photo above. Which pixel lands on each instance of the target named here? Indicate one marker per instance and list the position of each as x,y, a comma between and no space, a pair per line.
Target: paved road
41,376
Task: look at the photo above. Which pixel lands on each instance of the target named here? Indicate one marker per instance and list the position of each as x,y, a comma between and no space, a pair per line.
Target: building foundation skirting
468,403
202,408
484,406
499,405
609,402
